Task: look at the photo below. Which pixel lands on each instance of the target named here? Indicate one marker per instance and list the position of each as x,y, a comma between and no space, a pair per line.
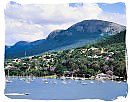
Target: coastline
64,78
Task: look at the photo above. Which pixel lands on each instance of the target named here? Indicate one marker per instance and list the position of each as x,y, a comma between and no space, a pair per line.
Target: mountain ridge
80,33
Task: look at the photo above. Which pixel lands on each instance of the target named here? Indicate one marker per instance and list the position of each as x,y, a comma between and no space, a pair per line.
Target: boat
8,81
28,82
22,78
63,78
17,94
83,77
72,77
76,78
45,81
64,82
119,82
103,81
91,82
84,83
55,82
125,80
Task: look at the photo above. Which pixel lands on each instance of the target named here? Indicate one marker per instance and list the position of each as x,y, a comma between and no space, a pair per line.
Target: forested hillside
106,55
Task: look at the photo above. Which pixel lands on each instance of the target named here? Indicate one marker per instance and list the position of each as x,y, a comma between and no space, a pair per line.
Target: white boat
46,82
44,79
63,78
91,82
76,78
8,81
16,94
125,80
72,77
64,82
103,81
84,83
22,79
119,82
55,82
8,76
83,77
28,82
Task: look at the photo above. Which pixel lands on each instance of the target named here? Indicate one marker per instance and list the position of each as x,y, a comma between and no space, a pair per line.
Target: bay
57,89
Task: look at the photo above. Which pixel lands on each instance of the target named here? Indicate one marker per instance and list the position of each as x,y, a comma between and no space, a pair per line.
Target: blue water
68,90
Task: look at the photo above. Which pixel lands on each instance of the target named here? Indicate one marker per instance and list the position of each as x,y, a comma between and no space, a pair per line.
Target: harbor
76,51
64,89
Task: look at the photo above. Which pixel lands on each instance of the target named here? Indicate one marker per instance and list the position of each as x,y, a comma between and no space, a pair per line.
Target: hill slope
77,35
106,55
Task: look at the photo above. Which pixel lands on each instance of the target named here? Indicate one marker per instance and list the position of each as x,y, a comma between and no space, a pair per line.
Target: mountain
79,34
7,47
105,55
88,28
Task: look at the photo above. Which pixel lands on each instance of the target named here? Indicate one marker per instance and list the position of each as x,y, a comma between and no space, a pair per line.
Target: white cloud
113,17
17,31
33,22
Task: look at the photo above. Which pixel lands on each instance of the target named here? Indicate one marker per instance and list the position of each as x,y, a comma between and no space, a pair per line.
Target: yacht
45,81
91,82
64,82
8,81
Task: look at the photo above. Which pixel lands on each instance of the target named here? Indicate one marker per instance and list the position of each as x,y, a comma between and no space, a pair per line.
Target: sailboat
63,77
103,81
7,80
72,77
83,83
54,81
91,82
76,78
83,77
64,82
45,80
119,82
29,80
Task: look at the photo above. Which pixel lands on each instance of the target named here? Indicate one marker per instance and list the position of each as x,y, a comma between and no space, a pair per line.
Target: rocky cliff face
97,26
89,27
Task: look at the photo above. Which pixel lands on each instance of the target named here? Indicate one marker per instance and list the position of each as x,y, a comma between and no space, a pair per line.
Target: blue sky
113,8
34,22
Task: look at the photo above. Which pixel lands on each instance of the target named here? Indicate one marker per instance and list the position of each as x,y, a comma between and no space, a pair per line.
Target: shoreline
64,78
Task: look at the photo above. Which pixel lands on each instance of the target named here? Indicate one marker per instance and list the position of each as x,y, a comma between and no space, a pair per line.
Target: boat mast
25,53
8,73
112,73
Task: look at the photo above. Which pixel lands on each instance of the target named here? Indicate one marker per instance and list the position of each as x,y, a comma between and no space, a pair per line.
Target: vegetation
107,54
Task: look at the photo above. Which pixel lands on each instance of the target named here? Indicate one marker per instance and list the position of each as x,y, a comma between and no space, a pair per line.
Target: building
103,76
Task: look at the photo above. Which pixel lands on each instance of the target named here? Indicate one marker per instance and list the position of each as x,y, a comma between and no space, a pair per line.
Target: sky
33,22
